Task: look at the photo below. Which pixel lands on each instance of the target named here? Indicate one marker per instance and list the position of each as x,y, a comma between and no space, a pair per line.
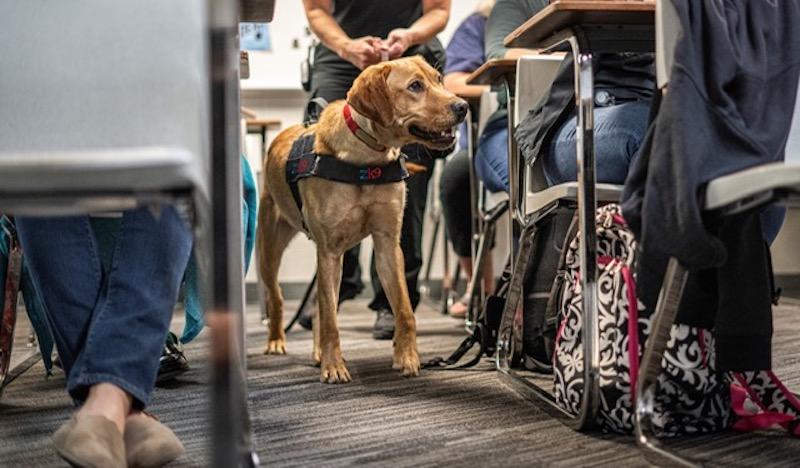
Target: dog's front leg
329,274
389,263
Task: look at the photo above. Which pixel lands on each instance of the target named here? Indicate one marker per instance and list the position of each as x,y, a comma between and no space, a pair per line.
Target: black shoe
173,362
307,315
384,325
311,306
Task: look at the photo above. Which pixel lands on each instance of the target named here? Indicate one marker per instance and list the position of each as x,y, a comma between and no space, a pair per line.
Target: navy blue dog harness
304,162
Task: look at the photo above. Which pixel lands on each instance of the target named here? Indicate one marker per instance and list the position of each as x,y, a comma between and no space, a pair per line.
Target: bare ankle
109,401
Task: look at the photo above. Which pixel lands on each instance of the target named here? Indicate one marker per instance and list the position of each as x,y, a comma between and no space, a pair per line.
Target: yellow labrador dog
390,105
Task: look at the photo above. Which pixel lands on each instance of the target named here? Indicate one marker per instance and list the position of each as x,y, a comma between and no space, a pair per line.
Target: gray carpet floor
459,418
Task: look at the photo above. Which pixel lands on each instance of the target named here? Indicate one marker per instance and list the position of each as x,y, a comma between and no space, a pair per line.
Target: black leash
484,334
440,363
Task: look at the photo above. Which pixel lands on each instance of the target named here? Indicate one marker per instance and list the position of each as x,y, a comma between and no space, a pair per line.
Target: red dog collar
359,132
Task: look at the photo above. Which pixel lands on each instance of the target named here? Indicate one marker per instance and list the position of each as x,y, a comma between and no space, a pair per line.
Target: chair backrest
487,107
668,28
535,76
104,75
793,144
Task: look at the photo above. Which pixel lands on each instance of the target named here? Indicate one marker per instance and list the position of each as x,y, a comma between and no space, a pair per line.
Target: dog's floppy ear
369,95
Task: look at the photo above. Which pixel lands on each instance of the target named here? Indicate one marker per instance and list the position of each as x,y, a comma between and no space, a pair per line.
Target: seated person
109,327
464,55
624,85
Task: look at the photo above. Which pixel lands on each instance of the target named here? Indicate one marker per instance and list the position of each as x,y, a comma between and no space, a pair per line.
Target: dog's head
407,98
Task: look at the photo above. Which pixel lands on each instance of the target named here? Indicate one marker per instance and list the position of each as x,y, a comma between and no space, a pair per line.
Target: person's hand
362,52
398,41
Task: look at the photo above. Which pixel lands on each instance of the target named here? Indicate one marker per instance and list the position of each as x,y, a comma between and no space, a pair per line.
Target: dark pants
734,300
333,85
456,208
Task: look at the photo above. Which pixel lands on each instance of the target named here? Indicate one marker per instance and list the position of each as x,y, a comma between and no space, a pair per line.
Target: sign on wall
254,36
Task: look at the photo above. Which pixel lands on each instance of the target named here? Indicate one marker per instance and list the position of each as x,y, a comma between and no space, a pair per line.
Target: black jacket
729,106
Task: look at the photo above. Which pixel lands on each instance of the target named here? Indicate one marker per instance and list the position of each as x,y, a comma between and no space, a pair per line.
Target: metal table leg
587,205
232,443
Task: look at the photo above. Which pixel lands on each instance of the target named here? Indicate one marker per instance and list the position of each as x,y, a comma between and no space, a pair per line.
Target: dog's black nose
459,109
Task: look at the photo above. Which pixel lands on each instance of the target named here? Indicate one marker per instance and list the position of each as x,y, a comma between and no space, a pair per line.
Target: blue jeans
618,133
109,326
491,156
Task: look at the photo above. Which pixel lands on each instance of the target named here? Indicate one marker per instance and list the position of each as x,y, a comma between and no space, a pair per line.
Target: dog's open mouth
441,137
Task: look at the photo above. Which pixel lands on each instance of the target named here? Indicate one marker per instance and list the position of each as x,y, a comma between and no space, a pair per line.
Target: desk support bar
587,207
514,227
232,444
647,385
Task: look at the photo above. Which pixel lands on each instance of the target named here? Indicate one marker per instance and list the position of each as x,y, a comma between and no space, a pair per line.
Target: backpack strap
777,405
554,301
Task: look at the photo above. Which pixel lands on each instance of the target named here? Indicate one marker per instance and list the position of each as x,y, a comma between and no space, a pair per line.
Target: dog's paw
408,362
276,347
334,372
316,356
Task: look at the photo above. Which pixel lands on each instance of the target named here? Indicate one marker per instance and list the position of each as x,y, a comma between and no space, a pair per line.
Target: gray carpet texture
442,418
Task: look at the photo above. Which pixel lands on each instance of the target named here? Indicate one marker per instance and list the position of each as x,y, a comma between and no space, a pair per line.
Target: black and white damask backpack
693,398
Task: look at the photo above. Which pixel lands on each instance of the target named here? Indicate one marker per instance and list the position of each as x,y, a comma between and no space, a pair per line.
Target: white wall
273,91
280,68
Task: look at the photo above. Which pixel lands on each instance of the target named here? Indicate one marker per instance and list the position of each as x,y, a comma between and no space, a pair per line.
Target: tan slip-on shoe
149,443
90,442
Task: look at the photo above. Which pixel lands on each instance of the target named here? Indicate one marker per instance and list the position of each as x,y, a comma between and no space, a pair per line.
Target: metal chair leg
647,384
449,283
425,287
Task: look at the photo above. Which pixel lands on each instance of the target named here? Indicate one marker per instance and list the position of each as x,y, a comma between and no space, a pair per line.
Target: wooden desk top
492,72
567,13
267,123
471,98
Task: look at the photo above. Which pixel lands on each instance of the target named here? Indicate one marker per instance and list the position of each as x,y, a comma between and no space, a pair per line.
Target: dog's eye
416,87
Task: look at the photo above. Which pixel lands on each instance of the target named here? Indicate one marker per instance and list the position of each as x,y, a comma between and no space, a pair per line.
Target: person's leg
64,260
618,133
134,314
457,213
491,157
771,221
109,328
743,325
456,210
332,85
410,243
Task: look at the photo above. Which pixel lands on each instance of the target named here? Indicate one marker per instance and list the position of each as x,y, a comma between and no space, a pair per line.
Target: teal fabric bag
192,303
